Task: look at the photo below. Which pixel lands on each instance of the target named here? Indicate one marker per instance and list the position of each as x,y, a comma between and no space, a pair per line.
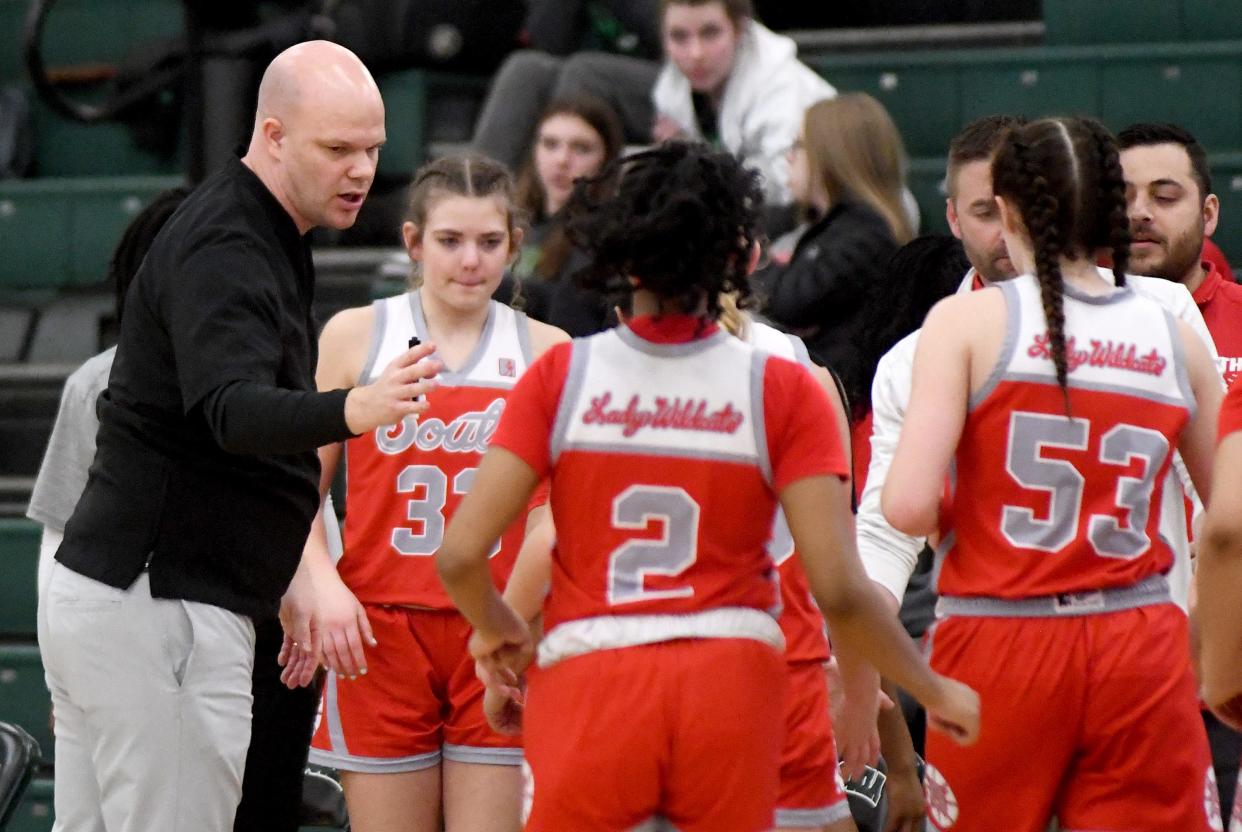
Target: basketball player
1058,399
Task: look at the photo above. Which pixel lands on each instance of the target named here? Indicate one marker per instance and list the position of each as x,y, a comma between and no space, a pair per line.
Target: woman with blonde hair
846,173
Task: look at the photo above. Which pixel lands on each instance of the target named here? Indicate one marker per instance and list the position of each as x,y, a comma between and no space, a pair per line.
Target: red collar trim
1211,282
671,329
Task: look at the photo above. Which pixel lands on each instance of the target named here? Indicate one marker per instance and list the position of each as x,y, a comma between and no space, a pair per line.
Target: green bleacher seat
35,812
24,699
405,103
1033,88
70,148
1197,86
19,560
1211,19
61,232
923,100
1111,21
12,13
926,182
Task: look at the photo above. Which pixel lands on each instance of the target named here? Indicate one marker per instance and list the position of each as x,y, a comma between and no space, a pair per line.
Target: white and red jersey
1045,503
806,639
667,442
405,481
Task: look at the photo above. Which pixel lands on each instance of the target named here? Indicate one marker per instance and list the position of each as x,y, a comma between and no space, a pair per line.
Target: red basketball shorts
1093,719
689,731
812,793
418,701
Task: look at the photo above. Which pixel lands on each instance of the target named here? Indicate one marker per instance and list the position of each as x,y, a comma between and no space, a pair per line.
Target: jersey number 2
636,509
428,511
1122,445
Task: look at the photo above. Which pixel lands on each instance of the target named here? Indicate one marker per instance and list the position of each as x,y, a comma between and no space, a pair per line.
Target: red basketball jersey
806,637
405,481
1231,411
666,453
1044,503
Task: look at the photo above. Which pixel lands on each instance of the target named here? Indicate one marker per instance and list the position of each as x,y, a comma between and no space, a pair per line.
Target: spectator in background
727,80
734,83
846,170
1172,213
576,137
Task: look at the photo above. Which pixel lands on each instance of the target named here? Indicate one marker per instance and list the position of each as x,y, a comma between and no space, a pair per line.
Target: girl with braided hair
659,687
1053,403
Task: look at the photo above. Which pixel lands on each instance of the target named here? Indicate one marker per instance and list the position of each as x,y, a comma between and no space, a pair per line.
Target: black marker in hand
414,342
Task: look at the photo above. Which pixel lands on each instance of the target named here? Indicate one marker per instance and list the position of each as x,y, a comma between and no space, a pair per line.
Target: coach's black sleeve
247,417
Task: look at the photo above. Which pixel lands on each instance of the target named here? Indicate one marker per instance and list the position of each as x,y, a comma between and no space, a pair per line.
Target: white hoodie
761,110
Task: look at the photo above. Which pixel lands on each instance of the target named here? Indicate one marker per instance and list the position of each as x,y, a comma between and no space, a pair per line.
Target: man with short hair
206,476
1172,213
970,206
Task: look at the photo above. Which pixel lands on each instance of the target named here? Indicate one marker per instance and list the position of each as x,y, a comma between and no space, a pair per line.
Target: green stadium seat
61,232
1211,19
69,148
19,560
405,105
923,100
12,14
1196,86
35,812
1029,85
926,181
24,699
1111,21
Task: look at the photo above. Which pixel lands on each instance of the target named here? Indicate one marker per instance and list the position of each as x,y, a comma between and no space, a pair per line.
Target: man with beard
1172,213
970,207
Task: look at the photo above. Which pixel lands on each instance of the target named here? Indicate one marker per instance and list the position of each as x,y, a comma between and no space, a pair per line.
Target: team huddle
666,507
614,582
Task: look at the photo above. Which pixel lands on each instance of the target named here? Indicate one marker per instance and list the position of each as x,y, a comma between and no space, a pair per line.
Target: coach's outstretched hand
400,391
954,710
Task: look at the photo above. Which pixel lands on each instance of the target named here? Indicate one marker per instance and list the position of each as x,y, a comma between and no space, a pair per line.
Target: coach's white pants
152,703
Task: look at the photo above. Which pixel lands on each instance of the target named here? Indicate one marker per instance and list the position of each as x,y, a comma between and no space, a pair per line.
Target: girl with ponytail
1052,405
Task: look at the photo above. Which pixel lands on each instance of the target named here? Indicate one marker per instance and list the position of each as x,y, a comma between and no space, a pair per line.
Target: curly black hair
682,222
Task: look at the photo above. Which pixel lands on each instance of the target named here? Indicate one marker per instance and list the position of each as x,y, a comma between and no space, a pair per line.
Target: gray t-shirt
62,476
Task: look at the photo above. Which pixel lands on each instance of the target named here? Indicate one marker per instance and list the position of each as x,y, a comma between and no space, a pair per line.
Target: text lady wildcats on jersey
1116,355
665,414
468,433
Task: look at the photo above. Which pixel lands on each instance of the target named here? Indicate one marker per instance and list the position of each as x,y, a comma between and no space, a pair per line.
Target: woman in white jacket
727,80
732,82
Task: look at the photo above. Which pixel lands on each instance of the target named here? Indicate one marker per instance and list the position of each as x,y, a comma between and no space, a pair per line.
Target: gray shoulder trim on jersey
1013,324
801,355
630,338
1179,361
485,756
378,327
522,322
633,448
1122,293
578,360
758,363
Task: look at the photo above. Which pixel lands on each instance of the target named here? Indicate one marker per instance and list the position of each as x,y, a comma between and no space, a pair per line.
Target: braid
1041,222
1112,192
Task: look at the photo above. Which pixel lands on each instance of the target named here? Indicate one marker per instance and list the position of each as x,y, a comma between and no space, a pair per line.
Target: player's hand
344,631
299,652
399,391
503,656
854,722
503,706
954,711
906,809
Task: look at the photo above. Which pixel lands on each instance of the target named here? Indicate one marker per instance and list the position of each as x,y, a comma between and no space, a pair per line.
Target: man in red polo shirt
1172,213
